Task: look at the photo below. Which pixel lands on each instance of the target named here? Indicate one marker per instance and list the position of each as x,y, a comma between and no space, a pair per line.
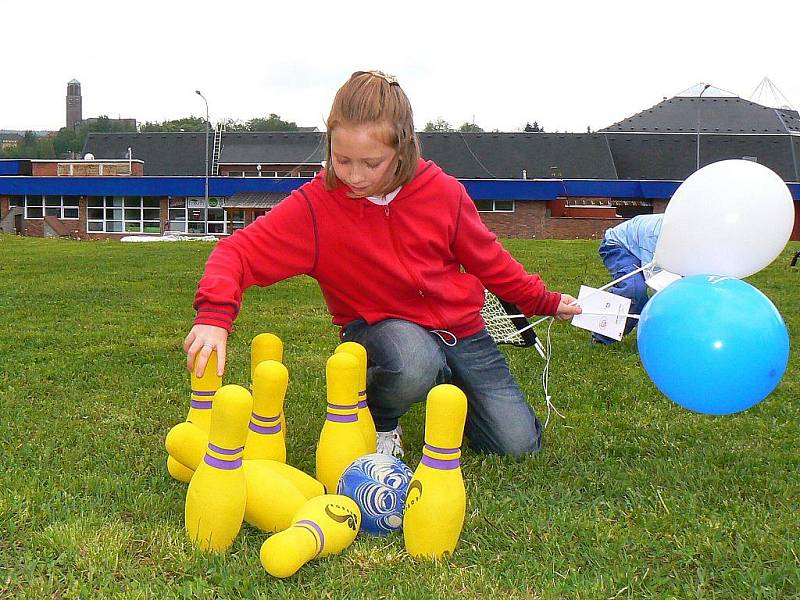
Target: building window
16,202
495,205
190,215
123,214
60,207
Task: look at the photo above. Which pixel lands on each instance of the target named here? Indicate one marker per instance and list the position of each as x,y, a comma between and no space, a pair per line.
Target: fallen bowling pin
436,498
217,494
365,420
187,444
323,526
177,471
272,500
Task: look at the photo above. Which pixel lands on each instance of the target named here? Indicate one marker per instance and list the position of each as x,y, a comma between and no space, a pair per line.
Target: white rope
546,378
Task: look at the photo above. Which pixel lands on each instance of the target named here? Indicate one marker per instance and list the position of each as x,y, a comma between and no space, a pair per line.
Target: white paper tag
603,312
658,281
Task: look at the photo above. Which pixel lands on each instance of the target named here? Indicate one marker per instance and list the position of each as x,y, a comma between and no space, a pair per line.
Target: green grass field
632,497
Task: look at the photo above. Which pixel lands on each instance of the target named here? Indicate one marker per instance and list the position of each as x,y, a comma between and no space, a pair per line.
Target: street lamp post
206,101
705,87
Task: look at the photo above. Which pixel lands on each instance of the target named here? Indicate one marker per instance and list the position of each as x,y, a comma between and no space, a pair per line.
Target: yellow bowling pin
341,440
272,500
178,471
203,389
187,444
217,494
265,438
436,499
323,526
266,346
364,416
305,483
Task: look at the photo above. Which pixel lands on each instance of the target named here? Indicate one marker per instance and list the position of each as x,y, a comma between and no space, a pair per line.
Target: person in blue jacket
625,248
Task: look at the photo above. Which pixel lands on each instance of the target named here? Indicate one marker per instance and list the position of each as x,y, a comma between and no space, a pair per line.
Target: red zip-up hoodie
402,261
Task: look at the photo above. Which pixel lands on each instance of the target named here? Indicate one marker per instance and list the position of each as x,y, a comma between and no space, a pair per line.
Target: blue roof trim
145,186
597,188
10,167
478,189
512,189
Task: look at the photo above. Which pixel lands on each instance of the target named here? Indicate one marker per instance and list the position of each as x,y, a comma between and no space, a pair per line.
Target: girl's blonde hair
372,97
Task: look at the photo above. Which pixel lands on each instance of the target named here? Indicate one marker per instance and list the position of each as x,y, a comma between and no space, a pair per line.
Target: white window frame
195,203
494,208
59,208
127,211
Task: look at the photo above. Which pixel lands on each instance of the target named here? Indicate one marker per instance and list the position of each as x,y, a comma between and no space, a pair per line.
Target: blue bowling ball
378,483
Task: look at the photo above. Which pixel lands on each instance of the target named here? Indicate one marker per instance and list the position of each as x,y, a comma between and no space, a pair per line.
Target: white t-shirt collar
384,200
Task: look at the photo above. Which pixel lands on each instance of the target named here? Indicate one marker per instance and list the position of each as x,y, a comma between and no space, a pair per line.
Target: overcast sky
568,66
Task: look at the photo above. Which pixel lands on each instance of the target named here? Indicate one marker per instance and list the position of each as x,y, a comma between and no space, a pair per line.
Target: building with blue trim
530,185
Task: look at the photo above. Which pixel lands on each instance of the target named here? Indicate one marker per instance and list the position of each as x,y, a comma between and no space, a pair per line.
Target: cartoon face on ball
378,484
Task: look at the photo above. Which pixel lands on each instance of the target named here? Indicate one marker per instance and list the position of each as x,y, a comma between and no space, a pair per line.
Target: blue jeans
405,361
619,261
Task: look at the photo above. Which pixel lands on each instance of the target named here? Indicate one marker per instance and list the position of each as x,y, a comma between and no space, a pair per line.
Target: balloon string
600,289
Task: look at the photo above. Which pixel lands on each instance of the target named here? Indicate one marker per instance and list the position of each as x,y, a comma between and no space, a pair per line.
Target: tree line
441,125
69,142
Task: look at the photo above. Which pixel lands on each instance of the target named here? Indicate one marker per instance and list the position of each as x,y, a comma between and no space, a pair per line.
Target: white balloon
730,218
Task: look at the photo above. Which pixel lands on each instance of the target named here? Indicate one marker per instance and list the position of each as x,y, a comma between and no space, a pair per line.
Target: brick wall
533,220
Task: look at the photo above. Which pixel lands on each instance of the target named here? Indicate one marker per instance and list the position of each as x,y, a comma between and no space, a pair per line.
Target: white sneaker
390,442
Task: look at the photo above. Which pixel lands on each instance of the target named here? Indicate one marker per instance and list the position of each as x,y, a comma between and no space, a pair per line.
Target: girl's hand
200,342
566,309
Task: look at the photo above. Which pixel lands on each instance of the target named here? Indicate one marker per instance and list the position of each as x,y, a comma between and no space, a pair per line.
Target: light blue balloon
714,345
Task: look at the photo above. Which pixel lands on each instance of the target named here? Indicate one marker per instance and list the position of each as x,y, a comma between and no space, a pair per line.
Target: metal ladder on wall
217,149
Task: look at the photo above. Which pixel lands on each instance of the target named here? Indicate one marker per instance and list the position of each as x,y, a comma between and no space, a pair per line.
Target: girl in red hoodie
402,258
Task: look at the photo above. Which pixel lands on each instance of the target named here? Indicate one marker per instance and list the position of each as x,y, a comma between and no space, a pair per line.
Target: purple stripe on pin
342,406
220,450
442,450
362,404
341,418
225,465
201,404
438,463
316,528
202,393
258,417
266,430
362,393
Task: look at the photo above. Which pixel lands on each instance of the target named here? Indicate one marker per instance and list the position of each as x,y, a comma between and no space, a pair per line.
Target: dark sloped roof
716,115
272,148
173,153
662,156
255,199
506,155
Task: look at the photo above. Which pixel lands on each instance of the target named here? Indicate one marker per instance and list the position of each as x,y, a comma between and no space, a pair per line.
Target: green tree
31,146
66,140
438,125
470,128
535,128
184,124
271,123
233,124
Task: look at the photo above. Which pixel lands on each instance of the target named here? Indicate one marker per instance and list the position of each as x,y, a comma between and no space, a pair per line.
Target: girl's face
360,159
